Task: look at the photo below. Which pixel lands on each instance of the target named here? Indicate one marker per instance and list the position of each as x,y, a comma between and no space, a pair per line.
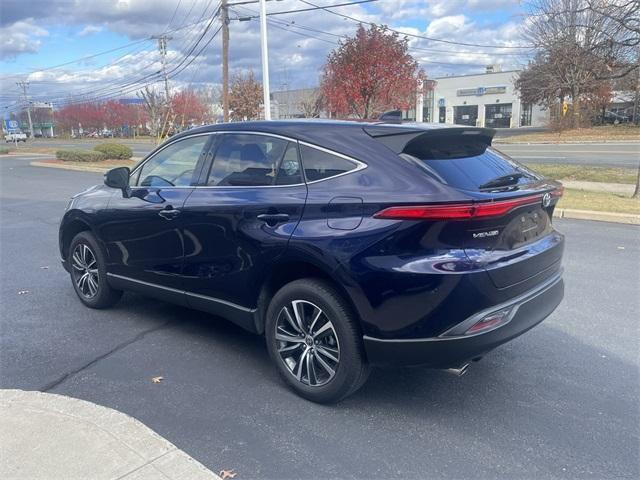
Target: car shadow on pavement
546,400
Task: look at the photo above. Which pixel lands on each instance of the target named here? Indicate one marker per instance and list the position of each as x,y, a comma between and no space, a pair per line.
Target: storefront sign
478,91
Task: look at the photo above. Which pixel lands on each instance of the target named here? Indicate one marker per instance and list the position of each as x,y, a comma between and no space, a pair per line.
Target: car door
239,220
144,236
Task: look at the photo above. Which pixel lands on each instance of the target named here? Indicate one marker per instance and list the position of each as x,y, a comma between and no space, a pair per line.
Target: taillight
461,211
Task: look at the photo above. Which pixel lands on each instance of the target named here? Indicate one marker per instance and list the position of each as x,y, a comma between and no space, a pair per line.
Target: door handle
169,213
273,218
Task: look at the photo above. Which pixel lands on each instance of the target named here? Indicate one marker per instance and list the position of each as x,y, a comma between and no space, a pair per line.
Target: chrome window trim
184,292
359,165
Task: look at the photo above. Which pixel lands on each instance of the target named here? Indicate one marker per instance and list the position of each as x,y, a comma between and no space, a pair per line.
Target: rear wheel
314,340
88,272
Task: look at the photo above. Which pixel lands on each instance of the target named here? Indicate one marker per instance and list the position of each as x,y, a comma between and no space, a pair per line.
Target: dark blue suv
346,244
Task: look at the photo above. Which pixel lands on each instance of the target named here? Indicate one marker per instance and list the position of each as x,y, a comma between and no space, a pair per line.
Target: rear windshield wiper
503,181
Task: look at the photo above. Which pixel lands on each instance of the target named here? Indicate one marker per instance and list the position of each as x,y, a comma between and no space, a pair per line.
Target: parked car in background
15,137
345,244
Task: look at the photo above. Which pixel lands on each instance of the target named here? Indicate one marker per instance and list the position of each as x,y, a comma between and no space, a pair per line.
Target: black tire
96,292
350,372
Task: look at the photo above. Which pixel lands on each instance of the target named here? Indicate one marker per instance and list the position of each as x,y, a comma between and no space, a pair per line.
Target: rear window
464,163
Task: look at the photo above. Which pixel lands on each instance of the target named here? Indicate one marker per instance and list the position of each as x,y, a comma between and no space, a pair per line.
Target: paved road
619,154
603,154
562,401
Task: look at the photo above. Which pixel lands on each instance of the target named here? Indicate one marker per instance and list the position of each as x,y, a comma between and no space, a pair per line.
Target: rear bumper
529,309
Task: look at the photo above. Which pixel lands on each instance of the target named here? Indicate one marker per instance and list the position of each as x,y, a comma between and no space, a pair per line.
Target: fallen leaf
23,292
157,379
227,474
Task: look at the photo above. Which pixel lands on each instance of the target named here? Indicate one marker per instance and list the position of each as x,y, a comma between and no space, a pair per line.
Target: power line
109,91
288,25
431,39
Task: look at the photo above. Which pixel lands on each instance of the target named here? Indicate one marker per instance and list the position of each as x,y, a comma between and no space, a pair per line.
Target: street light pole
265,59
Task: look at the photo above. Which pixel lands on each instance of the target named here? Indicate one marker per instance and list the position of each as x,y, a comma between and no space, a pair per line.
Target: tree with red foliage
370,73
115,115
188,109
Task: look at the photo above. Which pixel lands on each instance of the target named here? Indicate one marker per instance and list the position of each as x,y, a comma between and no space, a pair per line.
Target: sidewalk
47,436
618,188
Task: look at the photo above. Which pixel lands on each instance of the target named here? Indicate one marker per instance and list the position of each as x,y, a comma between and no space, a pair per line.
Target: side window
173,166
319,164
247,160
289,172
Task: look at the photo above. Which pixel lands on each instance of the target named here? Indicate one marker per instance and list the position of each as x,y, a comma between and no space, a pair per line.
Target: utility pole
420,101
24,86
636,101
162,46
224,17
265,59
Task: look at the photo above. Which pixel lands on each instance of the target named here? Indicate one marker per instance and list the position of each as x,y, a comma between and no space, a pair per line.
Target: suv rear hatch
505,223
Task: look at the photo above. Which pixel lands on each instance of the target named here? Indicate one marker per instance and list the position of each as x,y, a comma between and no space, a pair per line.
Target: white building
486,100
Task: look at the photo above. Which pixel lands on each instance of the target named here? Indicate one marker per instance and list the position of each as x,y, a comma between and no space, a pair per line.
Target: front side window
319,164
173,166
254,160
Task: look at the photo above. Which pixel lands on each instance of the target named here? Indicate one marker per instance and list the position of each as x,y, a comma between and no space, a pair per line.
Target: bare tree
155,106
580,43
245,96
311,103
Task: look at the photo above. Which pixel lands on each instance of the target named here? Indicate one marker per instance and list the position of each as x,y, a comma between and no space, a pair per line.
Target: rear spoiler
401,139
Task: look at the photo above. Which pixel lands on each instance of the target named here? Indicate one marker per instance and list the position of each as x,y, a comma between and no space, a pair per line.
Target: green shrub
114,151
80,156
4,150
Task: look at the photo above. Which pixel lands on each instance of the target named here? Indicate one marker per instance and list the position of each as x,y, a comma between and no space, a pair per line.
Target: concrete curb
626,218
52,436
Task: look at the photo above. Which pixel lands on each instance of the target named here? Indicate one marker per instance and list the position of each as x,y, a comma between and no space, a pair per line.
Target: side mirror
118,178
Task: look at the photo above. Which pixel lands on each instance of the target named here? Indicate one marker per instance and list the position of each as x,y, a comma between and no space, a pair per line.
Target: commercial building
485,100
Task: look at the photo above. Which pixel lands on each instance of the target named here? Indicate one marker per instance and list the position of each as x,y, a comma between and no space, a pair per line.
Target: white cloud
295,59
20,37
90,30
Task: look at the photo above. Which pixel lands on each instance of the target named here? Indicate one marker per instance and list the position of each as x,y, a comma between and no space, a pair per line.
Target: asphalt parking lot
562,401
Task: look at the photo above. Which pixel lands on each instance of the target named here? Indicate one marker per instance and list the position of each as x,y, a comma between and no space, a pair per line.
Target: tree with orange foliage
370,73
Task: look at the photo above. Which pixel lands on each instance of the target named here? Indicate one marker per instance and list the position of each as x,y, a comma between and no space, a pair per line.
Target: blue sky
68,30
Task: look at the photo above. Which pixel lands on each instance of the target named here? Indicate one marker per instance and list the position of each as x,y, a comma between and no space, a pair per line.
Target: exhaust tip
458,372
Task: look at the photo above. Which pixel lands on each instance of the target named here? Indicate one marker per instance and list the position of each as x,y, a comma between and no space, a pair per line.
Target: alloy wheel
307,343
85,270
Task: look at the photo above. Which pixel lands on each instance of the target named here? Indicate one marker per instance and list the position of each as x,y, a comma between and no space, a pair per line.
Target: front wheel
88,272
314,341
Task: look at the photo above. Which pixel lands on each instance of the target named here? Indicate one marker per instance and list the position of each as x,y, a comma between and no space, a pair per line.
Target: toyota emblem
546,200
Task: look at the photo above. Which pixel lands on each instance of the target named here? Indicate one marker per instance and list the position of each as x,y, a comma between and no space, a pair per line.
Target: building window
465,115
525,117
497,116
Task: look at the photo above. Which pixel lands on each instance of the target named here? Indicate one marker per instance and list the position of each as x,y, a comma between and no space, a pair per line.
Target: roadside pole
224,18
24,86
419,101
265,59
